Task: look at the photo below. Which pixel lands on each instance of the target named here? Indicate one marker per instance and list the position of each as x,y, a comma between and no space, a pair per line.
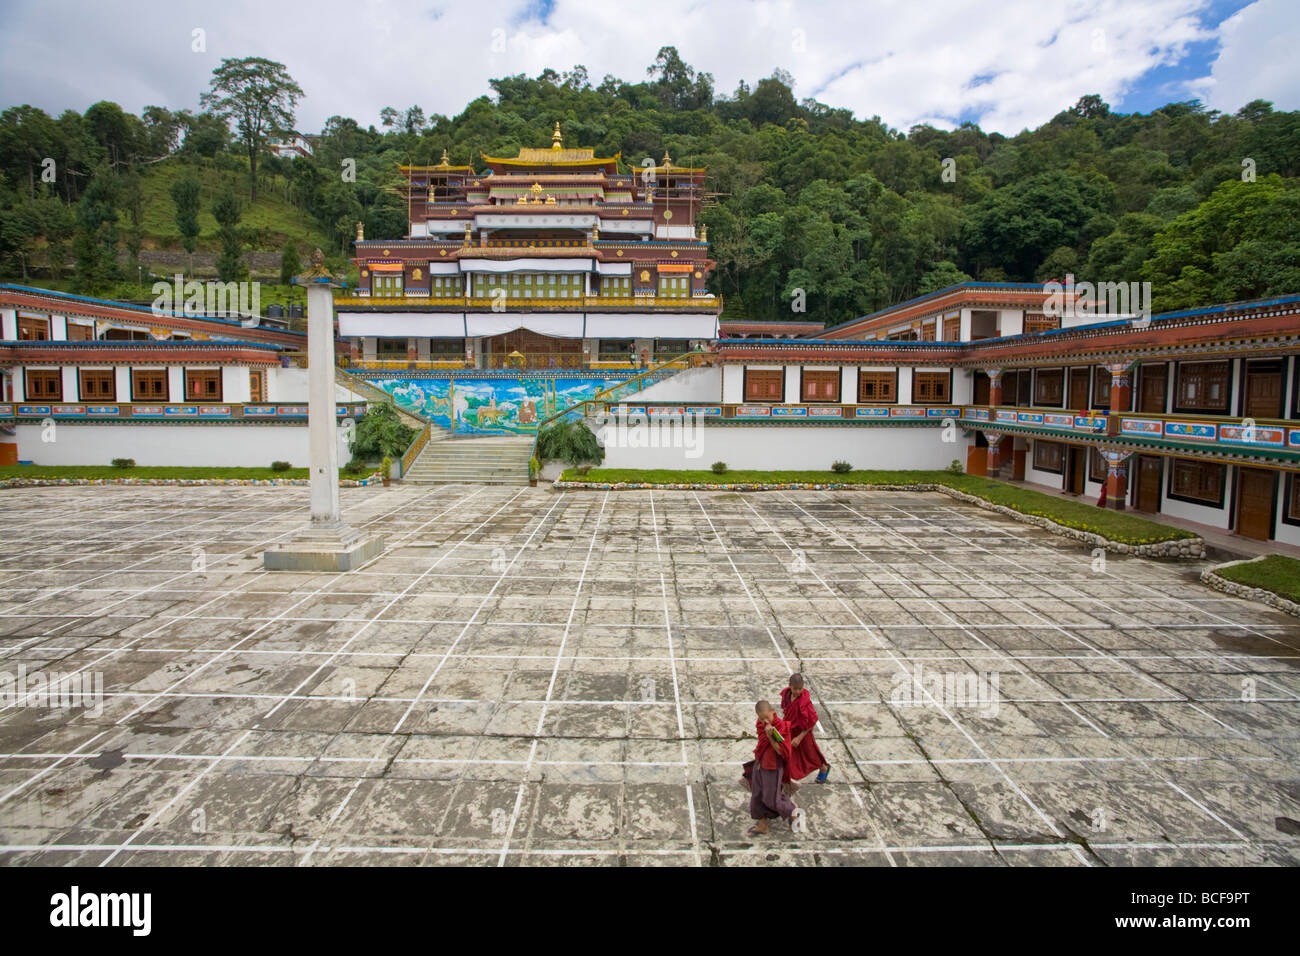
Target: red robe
802,716
764,754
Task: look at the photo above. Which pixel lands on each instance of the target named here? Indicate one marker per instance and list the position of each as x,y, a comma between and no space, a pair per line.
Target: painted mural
490,406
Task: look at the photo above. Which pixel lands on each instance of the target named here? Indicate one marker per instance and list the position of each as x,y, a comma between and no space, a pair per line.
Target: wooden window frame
823,374
763,371
947,396
1039,401
879,377
1097,465
1192,499
1039,322
952,329
136,374
208,374
1100,396
1059,469
98,373
45,374
1291,497
1180,408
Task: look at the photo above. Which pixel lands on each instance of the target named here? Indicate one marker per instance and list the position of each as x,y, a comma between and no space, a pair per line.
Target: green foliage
955,467
569,441
123,462
841,467
290,263
718,467
185,195
534,467
386,468
380,433
226,210
819,215
1275,572
280,466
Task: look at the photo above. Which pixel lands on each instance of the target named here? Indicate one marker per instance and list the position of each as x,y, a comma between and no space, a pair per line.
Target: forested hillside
1204,205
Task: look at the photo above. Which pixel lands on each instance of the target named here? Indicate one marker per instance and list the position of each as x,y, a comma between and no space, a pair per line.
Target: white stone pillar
322,405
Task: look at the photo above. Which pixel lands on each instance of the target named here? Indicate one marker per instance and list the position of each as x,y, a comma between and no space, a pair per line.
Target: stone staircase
473,461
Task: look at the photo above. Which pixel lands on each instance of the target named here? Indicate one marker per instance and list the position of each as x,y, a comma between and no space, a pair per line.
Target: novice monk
767,799
797,708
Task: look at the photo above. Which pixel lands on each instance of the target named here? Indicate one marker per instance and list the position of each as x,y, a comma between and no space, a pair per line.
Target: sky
1006,65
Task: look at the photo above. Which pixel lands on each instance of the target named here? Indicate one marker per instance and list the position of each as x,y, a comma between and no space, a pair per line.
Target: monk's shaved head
796,681
762,707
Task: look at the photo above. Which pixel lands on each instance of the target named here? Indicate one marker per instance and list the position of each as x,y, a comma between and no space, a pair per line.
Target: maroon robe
802,716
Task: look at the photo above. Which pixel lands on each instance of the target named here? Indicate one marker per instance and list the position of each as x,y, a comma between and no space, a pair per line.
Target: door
1263,390
1255,503
1149,475
981,396
1076,470
1078,388
256,387
1155,382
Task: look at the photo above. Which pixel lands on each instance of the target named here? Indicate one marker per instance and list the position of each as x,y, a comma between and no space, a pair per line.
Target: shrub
380,433
718,467
355,466
123,463
534,467
570,441
583,469
386,468
841,467
955,467
280,466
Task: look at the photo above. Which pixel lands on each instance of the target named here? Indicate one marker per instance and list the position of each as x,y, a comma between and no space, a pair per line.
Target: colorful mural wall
489,405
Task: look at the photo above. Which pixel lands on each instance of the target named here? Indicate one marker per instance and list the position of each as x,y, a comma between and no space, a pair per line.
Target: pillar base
324,547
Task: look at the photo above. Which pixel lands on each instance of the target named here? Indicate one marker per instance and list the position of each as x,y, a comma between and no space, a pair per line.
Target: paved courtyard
535,677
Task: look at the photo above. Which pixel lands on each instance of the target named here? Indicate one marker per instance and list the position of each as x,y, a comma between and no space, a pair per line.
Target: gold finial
536,188
595,233
555,137
668,160
317,272
445,160
704,233
467,235
361,232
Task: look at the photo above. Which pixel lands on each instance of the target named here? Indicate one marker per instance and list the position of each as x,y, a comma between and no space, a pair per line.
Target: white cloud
927,61
1257,58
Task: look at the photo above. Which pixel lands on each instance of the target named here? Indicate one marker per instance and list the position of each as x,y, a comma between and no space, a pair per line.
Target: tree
185,195
290,263
259,96
380,433
227,210
94,244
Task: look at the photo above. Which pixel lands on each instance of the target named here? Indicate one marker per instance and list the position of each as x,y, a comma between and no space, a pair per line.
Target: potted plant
534,469
386,470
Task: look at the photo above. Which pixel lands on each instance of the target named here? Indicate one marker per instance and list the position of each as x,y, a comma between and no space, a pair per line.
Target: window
952,329
44,385
764,385
1048,456
1203,386
1096,466
930,387
822,385
1037,322
1197,481
98,385
440,348
928,331
1101,388
391,348
203,385
149,385
877,388
80,333
1291,512
32,329
1049,386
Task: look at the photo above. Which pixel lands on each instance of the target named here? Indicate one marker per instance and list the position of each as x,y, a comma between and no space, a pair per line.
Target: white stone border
1178,549
374,479
1211,578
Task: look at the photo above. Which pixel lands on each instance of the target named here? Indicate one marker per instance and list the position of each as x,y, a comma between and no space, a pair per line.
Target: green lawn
1081,515
1275,573
190,472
